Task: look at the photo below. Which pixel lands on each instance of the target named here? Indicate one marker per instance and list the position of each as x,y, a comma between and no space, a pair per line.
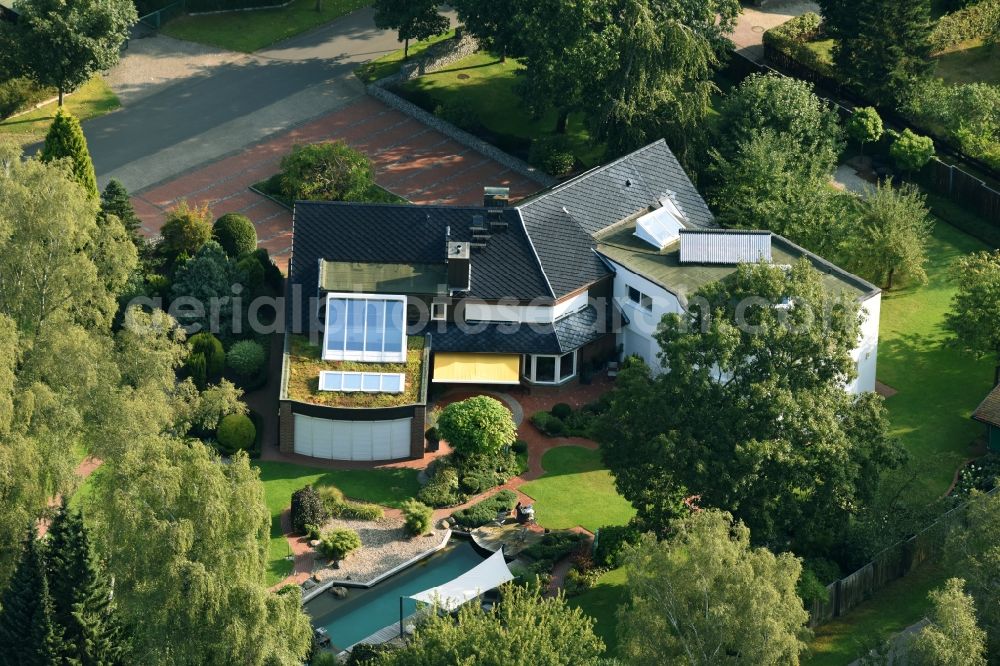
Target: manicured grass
390,64
969,62
576,489
601,602
252,30
487,87
938,385
894,608
93,99
380,486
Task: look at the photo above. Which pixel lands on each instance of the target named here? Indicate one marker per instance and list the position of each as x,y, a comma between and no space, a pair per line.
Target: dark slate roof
561,221
988,411
402,233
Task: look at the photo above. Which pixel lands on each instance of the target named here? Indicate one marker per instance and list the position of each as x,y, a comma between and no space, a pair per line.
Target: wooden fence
892,563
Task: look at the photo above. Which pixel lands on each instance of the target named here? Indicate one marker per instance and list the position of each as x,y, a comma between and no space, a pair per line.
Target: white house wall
637,338
865,355
524,314
352,440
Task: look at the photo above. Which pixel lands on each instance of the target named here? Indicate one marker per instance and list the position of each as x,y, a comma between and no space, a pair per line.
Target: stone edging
463,47
312,594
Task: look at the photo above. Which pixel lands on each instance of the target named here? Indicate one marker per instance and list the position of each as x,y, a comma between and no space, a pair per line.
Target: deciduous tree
411,19
864,126
891,236
330,171
752,414
952,638
704,596
186,540
477,425
524,629
62,44
975,307
185,230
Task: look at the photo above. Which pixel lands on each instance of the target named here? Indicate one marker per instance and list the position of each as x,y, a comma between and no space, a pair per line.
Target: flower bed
981,474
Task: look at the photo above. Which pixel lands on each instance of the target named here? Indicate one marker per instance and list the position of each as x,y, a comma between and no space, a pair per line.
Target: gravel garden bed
385,544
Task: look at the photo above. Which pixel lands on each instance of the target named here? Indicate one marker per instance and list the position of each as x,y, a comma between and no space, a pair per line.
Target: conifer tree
115,201
49,647
20,635
65,139
81,593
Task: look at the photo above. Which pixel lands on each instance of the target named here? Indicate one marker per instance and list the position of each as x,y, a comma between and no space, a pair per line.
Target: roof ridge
534,253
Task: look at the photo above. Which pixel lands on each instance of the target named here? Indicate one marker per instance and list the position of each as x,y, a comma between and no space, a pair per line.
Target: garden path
538,445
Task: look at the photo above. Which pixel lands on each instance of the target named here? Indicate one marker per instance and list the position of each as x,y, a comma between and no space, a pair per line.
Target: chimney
459,266
495,199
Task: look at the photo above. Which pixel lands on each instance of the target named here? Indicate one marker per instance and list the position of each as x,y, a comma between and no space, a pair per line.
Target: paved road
226,108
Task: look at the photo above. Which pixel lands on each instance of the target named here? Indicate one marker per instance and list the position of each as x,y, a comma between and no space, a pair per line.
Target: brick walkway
411,160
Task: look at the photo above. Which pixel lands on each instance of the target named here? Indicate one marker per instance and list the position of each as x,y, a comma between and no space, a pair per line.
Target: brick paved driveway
411,160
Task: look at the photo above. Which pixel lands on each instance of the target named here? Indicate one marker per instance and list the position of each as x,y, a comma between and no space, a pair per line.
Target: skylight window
367,382
660,227
365,327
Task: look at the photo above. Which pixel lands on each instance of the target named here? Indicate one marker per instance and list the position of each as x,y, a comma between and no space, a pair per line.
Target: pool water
365,611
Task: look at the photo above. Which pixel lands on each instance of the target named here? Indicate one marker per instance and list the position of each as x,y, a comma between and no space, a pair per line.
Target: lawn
390,64
969,62
93,99
938,386
576,489
601,603
896,607
252,30
381,486
486,87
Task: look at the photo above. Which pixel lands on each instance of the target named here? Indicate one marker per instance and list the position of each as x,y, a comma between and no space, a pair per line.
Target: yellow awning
453,368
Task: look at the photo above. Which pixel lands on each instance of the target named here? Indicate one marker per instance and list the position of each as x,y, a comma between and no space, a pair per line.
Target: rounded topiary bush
307,509
236,433
215,357
246,358
561,410
236,234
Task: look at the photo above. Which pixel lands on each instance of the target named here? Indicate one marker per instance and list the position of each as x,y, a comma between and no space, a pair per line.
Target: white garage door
352,440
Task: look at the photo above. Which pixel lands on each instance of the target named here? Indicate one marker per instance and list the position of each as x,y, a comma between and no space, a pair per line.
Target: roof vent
725,247
480,232
459,266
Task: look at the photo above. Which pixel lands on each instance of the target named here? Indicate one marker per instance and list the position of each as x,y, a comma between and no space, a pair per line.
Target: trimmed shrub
797,30
195,365
272,274
418,517
312,532
562,411
251,272
553,154
432,434
911,151
442,489
186,230
339,543
361,511
548,424
236,234
485,511
329,171
473,484
519,447
612,542
19,94
215,356
307,509
477,425
236,433
553,547
246,358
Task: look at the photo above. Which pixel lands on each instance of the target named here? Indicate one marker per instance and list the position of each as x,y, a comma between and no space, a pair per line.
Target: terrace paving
411,160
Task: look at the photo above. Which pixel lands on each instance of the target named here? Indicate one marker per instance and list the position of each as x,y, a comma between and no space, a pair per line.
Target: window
439,311
640,299
369,382
365,328
544,369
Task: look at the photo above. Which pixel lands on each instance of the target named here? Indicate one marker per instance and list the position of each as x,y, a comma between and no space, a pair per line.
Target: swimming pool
365,611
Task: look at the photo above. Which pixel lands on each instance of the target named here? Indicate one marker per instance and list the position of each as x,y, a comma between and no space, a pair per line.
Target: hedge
976,21
236,234
485,511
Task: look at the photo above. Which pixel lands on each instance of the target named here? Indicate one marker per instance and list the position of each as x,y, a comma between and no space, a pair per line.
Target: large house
387,299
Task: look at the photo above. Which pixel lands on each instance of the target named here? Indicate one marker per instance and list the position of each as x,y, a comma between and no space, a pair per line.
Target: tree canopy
704,596
329,171
480,424
752,415
524,629
952,638
975,307
411,19
62,44
65,140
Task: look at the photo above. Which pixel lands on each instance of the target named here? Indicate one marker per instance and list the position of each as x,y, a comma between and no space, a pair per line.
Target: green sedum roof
663,267
374,278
